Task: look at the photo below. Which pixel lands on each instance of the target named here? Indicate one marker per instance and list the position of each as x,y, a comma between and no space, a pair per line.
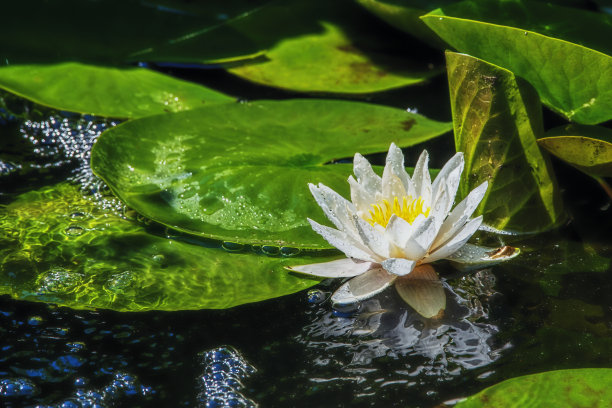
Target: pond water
546,310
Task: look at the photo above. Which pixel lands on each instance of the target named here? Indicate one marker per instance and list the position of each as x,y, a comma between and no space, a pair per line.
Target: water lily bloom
397,223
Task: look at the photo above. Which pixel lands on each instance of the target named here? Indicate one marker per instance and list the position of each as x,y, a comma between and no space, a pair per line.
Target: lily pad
109,92
58,246
331,47
570,78
115,31
497,118
588,148
586,387
239,172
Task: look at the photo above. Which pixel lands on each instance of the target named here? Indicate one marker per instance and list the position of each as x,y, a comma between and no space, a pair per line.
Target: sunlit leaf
332,47
239,172
587,387
110,92
60,247
588,148
534,42
496,120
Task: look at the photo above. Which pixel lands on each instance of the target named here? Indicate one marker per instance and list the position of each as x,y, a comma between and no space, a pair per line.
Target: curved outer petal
423,291
455,243
460,215
351,247
448,180
480,256
338,209
422,179
369,181
363,286
398,266
360,198
341,268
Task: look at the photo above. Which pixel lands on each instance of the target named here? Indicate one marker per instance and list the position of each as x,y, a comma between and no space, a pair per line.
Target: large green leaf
58,246
239,172
110,92
532,42
115,31
496,121
588,148
322,46
586,387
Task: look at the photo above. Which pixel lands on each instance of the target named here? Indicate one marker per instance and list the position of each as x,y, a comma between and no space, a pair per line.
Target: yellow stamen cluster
409,209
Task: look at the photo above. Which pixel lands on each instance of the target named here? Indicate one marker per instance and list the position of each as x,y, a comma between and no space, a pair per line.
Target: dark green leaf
496,120
115,31
110,92
587,387
572,79
58,246
239,172
588,148
322,46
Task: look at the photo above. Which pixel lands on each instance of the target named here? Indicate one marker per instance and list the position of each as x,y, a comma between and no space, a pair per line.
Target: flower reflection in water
422,352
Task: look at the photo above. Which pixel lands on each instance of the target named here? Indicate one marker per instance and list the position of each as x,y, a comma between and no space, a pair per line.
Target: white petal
423,291
395,181
448,179
335,207
456,242
360,198
369,181
351,247
460,215
398,230
341,268
423,233
483,256
363,286
372,238
398,266
422,179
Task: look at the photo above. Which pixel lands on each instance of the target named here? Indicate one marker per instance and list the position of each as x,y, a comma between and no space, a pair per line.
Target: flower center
408,209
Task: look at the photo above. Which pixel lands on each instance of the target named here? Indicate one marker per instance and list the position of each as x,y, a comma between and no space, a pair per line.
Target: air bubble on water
17,387
316,296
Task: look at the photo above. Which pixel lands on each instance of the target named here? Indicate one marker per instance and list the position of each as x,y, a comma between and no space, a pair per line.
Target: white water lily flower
396,223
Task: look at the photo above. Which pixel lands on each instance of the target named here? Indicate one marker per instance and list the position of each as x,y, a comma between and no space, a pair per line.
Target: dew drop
74,231
316,296
288,251
270,250
232,246
159,258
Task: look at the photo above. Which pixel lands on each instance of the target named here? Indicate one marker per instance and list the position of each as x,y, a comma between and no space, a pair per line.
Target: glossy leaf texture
404,15
588,148
116,31
239,172
496,119
533,40
58,246
103,91
326,47
586,387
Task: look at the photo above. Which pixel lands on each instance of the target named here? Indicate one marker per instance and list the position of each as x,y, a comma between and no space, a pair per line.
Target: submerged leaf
585,387
60,247
497,118
572,79
239,172
109,92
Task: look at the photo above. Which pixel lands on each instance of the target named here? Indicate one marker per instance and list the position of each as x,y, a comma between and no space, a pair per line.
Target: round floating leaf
586,387
239,172
58,246
110,92
572,79
497,119
332,47
588,148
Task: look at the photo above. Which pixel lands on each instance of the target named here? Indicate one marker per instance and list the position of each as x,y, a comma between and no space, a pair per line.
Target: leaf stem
604,185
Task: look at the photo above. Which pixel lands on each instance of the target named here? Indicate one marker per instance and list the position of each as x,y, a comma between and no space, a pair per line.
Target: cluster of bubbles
221,382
